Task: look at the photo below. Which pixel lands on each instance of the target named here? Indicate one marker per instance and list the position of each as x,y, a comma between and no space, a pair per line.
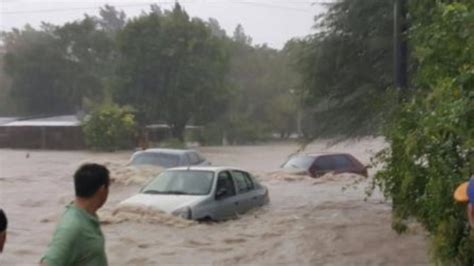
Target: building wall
37,137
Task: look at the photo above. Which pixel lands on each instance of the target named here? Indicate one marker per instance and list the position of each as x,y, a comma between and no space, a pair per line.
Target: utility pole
400,47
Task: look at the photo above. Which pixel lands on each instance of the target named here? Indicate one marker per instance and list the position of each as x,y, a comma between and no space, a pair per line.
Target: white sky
267,21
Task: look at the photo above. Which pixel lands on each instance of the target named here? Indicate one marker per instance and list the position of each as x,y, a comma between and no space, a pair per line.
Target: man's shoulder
71,219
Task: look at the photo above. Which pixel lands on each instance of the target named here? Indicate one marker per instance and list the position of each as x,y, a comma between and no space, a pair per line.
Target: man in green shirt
78,239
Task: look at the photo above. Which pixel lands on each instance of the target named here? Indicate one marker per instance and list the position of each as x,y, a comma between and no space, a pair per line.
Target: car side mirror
221,193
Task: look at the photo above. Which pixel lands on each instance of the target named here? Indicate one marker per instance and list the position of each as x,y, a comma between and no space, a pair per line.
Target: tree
431,135
263,100
91,50
172,69
346,68
156,9
216,29
39,73
54,69
111,20
240,36
7,106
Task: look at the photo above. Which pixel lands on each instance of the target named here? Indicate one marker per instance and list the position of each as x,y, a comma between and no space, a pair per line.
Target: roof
166,126
204,168
7,119
53,121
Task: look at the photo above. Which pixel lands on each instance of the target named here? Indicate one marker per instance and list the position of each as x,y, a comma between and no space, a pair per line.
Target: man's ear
104,187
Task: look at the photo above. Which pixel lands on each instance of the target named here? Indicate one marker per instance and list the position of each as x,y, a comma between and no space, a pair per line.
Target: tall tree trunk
177,131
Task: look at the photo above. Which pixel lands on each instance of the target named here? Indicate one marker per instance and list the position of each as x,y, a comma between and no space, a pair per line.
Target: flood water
308,222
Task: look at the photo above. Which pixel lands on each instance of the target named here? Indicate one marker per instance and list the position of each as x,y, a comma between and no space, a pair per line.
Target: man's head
3,229
91,182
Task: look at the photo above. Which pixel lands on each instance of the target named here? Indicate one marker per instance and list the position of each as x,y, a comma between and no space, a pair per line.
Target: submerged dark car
319,164
168,158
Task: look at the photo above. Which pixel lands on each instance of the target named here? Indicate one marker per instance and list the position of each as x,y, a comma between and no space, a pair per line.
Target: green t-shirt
77,240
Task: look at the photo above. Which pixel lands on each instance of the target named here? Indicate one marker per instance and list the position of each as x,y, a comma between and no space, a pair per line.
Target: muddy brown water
308,222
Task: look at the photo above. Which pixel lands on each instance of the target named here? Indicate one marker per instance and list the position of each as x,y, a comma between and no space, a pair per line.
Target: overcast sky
266,21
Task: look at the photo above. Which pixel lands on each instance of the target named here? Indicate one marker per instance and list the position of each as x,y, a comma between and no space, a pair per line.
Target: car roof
317,154
326,153
205,168
169,151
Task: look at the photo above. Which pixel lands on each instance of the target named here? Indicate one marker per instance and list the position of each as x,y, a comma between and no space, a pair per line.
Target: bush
110,127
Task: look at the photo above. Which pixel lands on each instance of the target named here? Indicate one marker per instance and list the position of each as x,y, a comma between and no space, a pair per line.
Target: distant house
60,132
54,132
5,120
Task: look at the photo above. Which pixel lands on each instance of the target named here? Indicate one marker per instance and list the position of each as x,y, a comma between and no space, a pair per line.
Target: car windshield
299,162
186,182
159,159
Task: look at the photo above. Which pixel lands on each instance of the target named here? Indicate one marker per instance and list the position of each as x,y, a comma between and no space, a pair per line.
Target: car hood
166,203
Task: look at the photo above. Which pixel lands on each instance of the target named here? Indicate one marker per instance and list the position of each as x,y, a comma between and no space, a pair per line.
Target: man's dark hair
89,178
3,221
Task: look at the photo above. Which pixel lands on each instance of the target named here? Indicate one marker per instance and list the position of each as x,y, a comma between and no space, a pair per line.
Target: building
55,132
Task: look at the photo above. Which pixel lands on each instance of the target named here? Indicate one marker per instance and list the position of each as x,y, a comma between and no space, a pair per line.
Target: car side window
200,157
185,160
249,181
342,162
224,181
324,163
193,158
244,182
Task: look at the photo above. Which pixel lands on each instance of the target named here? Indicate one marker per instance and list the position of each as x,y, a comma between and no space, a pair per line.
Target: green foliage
172,69
110,127
431,136
261,101
7,106
346,68
33,84
111,20
54,68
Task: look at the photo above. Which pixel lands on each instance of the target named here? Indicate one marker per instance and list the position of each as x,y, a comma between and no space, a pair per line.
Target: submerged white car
202,193
168,158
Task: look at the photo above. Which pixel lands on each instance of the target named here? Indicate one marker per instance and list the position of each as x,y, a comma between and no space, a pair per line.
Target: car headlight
184,213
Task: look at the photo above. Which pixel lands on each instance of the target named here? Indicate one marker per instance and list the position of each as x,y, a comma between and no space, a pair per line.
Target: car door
245,191
257,195
322,165
226,205
343,164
